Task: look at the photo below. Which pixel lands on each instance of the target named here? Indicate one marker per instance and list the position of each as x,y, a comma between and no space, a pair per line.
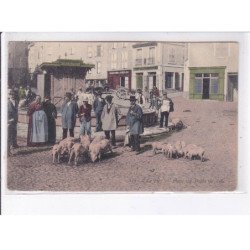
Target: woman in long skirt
38,124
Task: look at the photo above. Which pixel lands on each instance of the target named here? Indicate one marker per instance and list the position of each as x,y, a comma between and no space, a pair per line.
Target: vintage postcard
121,115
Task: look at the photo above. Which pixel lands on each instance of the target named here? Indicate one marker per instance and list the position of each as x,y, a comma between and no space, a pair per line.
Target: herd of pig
179,149
75,149
96,147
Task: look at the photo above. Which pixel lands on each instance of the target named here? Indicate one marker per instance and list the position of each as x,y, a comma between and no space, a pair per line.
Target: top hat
132,98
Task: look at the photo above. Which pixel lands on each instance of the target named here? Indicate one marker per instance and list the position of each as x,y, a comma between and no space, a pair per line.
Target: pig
187,148
169,150
55,152
196,152
85,141
179,145
156,146
77,150
64,146
96,149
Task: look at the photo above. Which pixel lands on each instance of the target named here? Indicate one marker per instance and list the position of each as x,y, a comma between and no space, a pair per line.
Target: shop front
121,78
207,83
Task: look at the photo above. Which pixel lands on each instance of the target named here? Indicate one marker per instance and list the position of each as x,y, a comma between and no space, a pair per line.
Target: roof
68,63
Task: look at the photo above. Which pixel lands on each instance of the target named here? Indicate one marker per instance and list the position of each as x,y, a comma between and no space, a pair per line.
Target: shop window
214,89
198,85
169,76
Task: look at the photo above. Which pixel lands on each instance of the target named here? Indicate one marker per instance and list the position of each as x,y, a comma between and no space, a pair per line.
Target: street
210,124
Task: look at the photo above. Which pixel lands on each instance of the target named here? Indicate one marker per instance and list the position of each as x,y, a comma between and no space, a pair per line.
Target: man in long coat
134,122
110,117
12,121
98,106
69,112
51,113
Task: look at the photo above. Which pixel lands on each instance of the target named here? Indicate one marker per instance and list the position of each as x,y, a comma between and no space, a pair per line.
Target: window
89,52
124,45
138,60
71,51
98,67
212,79
113,61
124,59
98,50
114,45
214,88
151,59
171,56
198,85
169,78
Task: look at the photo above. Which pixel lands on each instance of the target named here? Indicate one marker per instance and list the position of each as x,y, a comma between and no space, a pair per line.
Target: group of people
26,94
41,126
43,115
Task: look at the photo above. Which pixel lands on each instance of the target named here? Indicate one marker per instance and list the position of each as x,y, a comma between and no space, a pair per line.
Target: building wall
18,63
156,58
168,57
211,55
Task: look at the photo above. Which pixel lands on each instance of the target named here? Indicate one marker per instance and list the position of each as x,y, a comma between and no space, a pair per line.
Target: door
139,81
232,87
169,79
206,87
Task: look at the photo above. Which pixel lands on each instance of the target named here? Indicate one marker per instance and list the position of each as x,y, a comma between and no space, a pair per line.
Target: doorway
139,81
206,87
232,90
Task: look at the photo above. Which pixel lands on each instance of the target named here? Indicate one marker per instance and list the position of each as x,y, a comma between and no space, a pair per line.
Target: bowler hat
68,94
109,97
132,98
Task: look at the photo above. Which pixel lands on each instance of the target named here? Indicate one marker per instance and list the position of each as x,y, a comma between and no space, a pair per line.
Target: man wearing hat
85,117
166,107
134,122
69,111
51,113
98,106
110,119
12,120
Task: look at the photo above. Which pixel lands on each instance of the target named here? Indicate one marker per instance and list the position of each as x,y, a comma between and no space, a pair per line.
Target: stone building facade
127,64
159,64
18,72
